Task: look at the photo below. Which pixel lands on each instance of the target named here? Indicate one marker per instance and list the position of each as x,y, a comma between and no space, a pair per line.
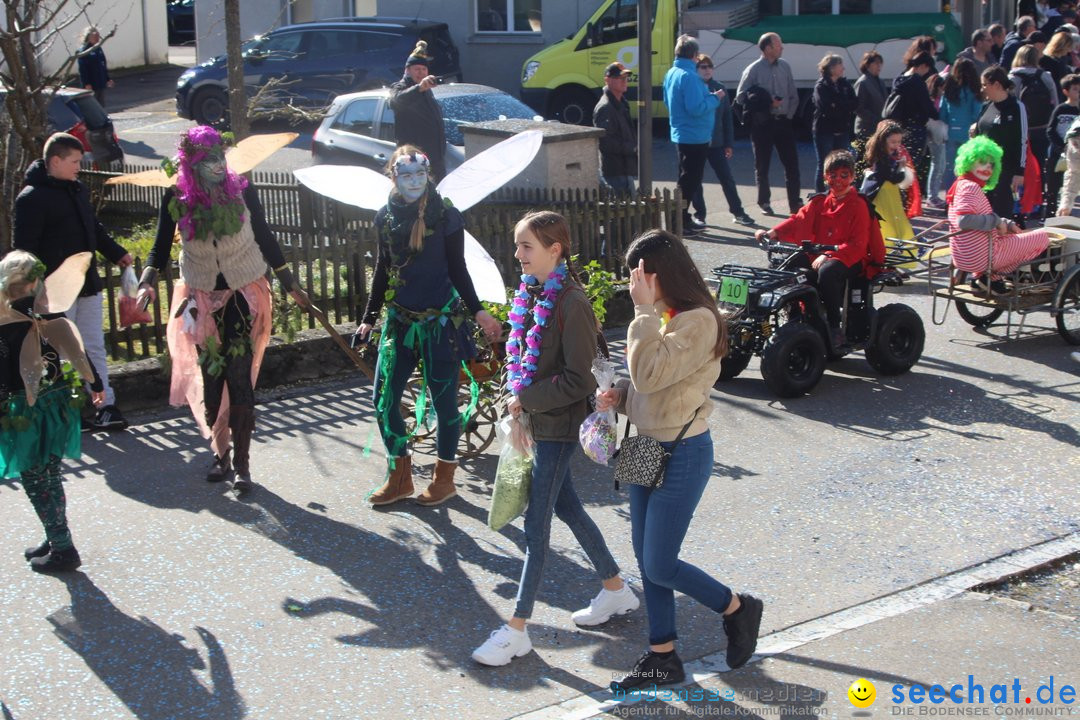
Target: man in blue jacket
691,110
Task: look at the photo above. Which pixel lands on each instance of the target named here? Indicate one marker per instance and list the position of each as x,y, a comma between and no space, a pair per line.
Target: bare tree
29,30
238,106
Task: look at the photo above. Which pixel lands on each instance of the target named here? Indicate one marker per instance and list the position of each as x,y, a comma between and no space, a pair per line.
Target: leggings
234,327
46,493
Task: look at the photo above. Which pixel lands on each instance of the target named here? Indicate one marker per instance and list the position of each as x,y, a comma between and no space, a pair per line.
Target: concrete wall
141,33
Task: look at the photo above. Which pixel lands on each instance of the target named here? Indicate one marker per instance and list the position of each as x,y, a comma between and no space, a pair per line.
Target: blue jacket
723,133
960,115
691,109
93,69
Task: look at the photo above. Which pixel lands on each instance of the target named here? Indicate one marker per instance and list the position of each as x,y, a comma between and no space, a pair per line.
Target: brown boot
398,483
442,487
242,425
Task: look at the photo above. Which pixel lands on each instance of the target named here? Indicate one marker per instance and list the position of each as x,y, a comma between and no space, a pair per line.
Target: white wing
349,184
486,278
483,174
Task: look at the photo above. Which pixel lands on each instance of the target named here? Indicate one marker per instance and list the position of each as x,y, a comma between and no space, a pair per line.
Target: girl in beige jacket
674,346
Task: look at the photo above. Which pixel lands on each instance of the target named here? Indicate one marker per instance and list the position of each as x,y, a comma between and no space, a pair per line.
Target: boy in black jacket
1060,121
54,220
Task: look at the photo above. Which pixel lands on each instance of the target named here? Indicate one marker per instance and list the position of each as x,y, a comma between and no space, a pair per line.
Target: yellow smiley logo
862,693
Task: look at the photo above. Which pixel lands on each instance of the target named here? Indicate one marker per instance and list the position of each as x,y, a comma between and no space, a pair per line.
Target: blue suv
315,62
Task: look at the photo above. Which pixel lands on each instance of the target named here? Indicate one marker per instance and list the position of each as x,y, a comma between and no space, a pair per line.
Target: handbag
642,460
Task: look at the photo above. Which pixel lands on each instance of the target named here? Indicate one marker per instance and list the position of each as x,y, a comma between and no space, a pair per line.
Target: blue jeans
938,163
552,489
722,168
825,143
659,520
951,146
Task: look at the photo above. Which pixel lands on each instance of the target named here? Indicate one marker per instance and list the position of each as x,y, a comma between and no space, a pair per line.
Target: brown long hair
550,227
419,228
876,146
680,279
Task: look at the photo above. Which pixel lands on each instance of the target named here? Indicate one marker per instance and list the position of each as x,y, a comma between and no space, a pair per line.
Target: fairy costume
40,400
221,312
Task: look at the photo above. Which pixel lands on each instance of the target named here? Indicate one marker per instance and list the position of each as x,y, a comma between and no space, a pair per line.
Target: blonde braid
419,229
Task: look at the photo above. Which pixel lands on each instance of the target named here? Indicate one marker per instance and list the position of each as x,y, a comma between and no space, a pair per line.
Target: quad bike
777,314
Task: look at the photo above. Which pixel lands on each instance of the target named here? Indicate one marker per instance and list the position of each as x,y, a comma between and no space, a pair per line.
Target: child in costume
984,239
841,218
421,279
889,173
221,311
549,377
39,417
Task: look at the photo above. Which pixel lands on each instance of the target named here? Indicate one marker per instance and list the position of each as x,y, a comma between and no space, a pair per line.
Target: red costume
828,221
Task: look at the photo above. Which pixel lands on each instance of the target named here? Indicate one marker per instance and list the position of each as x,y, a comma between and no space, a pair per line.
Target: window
358,117
834,7
285,46
386,126
619,22
522,16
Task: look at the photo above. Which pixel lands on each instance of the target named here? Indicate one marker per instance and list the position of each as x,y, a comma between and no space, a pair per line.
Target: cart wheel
408,411
794,360
1067,305
478,433
899,341
733,364
975,315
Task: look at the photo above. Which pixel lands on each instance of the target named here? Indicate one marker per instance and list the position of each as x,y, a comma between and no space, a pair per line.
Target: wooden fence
332,246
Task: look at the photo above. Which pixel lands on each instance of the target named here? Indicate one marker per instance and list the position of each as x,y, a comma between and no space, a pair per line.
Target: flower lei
523,349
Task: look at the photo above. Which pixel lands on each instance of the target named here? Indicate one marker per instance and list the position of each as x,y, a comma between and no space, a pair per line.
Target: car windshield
91,111
479,108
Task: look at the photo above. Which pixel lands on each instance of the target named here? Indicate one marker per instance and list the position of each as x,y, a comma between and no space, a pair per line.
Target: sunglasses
705,67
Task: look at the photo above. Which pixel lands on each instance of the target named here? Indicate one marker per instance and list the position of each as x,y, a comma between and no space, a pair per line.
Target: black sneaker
40,551
766,208
741,628
220,468
744,219
57,561
692,222
651,669
109,418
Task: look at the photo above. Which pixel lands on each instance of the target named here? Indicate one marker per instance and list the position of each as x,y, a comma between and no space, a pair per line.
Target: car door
351,138
277,57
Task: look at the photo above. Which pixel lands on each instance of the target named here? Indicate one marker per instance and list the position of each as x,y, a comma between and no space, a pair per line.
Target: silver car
359,127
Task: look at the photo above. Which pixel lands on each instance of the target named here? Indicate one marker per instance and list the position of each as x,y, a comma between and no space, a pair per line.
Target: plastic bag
129,284
598,434
130,313
514,473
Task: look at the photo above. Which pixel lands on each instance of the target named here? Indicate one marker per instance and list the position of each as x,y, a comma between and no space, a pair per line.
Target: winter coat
54,220
618,144
93,69
871,93
418,120
690,106
834,106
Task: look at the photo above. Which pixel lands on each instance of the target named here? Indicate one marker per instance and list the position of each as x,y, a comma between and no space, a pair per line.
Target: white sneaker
607,604
504,645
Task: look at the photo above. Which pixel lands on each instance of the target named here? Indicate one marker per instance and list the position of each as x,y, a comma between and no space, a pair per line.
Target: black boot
40,551
242,425
57,561
219,470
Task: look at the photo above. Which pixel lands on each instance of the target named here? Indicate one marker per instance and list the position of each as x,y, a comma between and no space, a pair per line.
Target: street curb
921,595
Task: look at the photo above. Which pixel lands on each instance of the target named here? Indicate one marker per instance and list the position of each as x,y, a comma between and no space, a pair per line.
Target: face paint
839,181
211,168
983,169
411,176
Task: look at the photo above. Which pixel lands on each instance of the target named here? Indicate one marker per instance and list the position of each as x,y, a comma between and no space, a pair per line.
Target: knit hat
419,55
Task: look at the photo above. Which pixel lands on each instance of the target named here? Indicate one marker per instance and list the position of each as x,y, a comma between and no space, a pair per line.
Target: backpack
1035,96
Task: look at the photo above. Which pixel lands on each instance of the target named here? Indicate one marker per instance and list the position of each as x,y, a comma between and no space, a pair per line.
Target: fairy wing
483,174
243,157
31,364
64,336
487,280
63,285
356,186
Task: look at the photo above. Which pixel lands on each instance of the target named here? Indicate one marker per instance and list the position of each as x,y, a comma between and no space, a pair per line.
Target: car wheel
210,106
793,360
574,105
899,341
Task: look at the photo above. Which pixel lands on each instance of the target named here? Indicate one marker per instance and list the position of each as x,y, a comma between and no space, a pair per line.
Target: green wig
979,149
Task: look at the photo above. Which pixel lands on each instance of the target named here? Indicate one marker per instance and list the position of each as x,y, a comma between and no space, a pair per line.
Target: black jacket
54,220
915,100
93,68
618,145
1006,124
834,106
419,121
870,93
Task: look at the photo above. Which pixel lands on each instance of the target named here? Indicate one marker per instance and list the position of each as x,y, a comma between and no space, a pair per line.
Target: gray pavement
871,498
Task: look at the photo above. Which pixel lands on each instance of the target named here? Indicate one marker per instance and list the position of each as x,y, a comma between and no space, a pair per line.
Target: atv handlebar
805,246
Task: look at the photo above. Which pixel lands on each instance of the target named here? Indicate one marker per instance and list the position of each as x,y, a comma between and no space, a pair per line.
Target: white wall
141,36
